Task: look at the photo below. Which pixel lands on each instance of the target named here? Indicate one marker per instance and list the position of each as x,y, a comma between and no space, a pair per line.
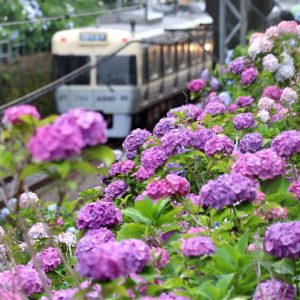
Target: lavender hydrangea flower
198,246
273,290
237,66
251,142
288,97
14,114
104,264
244,121
219,144
135,255
270,63
200,137
160,256
264,164
287,143
191,111
49,259
283,240
244,101
115,189
214,83
272,92
98,214
176,140
93,239
205,74
121,168
215,108
163,126
196,85
143,174
38,231
153,157
248,76
295,189
227,190
195,199
135,140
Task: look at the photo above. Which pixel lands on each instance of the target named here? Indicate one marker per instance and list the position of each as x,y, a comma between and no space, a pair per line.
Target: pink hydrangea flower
14,114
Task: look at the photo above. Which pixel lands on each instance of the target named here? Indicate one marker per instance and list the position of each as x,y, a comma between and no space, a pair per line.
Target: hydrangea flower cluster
273,92
163,126
283,240
244,121
190,111
251,142
264,164
14,114
248,76
198,246
227,190
215,108
153,157
28,199
49,259
98,214
270,63
196,85
200,137
121,168
38,231
219,144
176,140
237,66
295,189
287,143
115,189
288,97
160,256
244,101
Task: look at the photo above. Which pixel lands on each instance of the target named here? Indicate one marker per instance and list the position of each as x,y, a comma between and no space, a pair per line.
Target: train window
119,70
182,55
193,52
64,64
169,58
154,63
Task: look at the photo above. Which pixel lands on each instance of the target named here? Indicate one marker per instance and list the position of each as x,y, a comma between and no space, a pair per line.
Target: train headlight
208,47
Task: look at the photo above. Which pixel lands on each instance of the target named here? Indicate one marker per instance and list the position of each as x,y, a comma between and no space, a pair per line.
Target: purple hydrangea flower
159,189
180,185
135,254
272,92
176,140
153,157
248,76
115,189
244,121
264,164
295,189
205,74
131,154
174,168
195,199
227,190
251,142
273,290
93,239
219,144
121,168
135,140
244,101
215,108
287,143
237,66
283,240
198,246
191,111
98,214
213,97
214,83
14,114
49,259
10,295
232,108
160,256
104,264
200,137
142,174
196,85
163,126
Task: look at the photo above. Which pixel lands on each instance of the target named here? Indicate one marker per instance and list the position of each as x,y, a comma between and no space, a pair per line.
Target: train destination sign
93,37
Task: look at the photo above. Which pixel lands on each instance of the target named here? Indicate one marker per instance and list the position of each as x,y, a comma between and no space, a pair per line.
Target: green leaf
131,230
242,243
136,216
159,208
30,170
100,153
145,207
224,282
284,266
168,217
84,166
276,185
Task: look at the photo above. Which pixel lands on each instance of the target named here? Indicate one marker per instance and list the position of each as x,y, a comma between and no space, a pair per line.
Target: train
160,53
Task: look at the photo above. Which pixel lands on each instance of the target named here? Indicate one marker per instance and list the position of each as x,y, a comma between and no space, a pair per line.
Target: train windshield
64,64
119,70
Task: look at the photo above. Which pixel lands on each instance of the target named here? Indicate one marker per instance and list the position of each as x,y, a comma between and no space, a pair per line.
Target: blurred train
172,48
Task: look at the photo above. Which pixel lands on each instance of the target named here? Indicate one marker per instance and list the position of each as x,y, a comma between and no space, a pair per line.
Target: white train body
138,77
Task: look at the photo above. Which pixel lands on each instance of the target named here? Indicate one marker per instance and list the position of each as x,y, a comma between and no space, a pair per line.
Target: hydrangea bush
206,206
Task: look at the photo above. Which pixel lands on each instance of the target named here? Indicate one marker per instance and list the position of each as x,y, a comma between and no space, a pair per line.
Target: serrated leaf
131,230
136,216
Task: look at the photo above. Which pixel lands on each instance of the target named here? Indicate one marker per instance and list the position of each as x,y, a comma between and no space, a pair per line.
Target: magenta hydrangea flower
283,240
295,189
273,290
104,264
10,295
219,144
195,199
49,259
135,255
135,140
227,190
160,256
115,189
159,189
248,76
198,246
244,101
232,108
251,142
121,168
190,111
176,140
215,108
244,121
287,143
200,137
163,126
272,92
264,164
237,66
180,185
14,114
153,157
98,214
93,239
196,85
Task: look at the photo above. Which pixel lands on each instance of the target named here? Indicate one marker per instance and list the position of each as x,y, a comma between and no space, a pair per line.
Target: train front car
155,63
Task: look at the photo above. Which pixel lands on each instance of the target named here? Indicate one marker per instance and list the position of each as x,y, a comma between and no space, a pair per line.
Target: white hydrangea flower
23,247
270,63
288,97
286,70
266,103
28,199
38,231
67,238
254,49
264,116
